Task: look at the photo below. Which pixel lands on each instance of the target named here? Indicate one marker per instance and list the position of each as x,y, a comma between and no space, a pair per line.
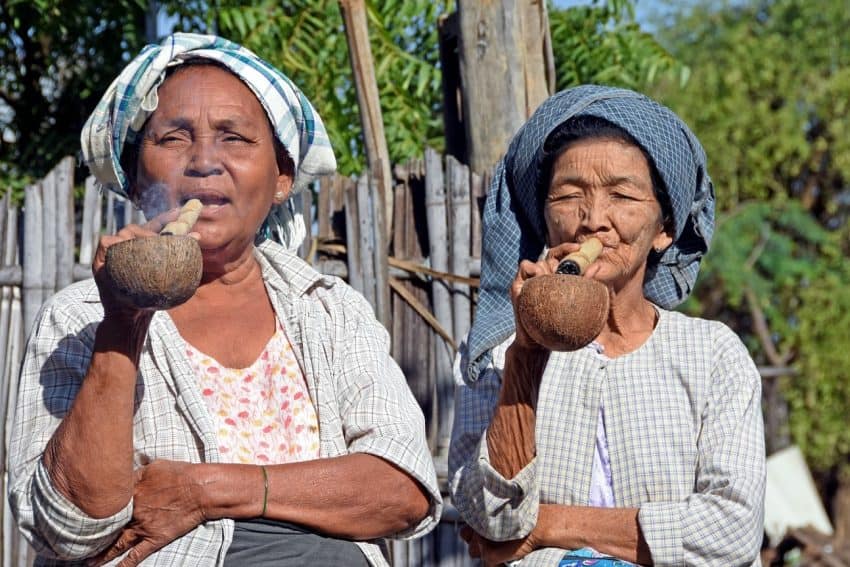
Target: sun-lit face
210,139
603,188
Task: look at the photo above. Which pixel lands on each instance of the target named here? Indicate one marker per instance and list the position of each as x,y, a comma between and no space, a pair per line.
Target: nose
594,214
204,159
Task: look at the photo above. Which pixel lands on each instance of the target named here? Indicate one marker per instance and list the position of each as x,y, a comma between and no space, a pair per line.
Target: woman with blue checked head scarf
646,446
263,421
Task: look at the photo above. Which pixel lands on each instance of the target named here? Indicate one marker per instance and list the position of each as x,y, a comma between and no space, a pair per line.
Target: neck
630,323
232,272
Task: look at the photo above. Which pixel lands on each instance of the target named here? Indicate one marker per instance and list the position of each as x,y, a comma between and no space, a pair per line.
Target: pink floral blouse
263,413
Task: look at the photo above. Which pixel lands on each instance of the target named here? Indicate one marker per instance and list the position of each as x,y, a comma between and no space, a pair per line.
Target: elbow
417,509
411,504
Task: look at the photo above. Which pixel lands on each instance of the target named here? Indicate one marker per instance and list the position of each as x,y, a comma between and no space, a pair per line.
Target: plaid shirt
685,434
361,398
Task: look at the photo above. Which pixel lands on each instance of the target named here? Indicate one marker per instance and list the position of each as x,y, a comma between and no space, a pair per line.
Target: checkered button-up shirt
360,395
685,435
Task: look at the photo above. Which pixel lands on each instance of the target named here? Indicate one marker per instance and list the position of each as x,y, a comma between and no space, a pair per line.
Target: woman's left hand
166,506
494,553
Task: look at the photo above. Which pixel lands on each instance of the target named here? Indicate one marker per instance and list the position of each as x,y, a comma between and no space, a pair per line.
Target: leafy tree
768,97
56,59
602,43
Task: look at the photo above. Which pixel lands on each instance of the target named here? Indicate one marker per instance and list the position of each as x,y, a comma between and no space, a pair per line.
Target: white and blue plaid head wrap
514,230
132,98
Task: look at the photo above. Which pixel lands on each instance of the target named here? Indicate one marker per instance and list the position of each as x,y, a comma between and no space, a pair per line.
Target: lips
207,198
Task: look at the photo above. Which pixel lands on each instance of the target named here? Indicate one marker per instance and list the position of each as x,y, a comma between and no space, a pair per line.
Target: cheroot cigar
189,214
577,262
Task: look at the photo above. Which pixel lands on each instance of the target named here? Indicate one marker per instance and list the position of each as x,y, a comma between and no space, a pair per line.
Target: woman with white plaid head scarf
261,422
646,445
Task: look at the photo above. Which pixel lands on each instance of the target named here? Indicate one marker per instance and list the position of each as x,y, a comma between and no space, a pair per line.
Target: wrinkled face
603,188
210,139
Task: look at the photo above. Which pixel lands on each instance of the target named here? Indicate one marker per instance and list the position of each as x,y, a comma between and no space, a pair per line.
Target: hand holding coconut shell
559,309
146,271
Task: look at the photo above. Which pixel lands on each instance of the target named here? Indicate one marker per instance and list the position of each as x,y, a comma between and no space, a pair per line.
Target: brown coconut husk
563,312
159,272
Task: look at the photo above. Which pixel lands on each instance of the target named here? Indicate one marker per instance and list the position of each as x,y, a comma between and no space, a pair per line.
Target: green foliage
768,97
601,43
818,396
56,59
306,39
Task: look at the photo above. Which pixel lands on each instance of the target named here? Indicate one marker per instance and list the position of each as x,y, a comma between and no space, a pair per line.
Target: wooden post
352,236
65,223
89,234
368,99
32,257
435,202
504,70
48,235
457,177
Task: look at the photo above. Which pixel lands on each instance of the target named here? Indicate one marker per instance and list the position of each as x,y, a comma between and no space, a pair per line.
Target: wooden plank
368,100
129,212
7,222
435,203
338,207
422,337
352,236
32,256
306,210
399,309
477,191
48,228
379,257
65,230
366,221
323,207
90,230
110,213
459,199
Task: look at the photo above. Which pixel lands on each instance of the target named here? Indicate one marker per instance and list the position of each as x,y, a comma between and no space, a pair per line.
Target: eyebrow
221,124
611,181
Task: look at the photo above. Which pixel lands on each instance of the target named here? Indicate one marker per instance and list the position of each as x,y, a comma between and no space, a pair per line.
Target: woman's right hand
113,307
527,270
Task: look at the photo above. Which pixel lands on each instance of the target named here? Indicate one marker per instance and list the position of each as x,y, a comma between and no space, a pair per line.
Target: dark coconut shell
562,312
159,272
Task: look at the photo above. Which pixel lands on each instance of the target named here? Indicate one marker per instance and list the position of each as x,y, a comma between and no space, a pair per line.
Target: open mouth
207,199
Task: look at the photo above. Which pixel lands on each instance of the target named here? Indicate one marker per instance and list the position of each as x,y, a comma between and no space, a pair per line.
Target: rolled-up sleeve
55,362
379,413
500,509
722,521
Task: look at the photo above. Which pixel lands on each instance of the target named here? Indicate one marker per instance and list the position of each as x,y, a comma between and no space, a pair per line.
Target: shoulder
713,334
726,353
299,283
73,307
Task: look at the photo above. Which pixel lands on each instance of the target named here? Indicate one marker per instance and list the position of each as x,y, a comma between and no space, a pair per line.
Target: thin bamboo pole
368,101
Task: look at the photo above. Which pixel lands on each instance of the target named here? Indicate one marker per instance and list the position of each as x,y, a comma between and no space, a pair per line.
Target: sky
645,10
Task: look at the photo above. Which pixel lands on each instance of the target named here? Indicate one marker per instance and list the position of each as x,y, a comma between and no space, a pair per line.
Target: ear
663,239
283,188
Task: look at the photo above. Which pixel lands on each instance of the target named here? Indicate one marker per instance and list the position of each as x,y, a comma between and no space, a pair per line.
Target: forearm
90,456
510,435
613,531
356,496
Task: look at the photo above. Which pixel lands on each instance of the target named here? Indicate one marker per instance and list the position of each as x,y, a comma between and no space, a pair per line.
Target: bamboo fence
418,269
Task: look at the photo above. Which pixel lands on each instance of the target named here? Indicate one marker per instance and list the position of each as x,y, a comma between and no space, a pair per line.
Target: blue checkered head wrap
514,230
121,114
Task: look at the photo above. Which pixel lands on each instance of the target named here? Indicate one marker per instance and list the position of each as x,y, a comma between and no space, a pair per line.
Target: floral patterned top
263,413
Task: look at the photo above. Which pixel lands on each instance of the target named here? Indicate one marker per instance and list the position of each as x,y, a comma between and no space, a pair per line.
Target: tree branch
763,331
